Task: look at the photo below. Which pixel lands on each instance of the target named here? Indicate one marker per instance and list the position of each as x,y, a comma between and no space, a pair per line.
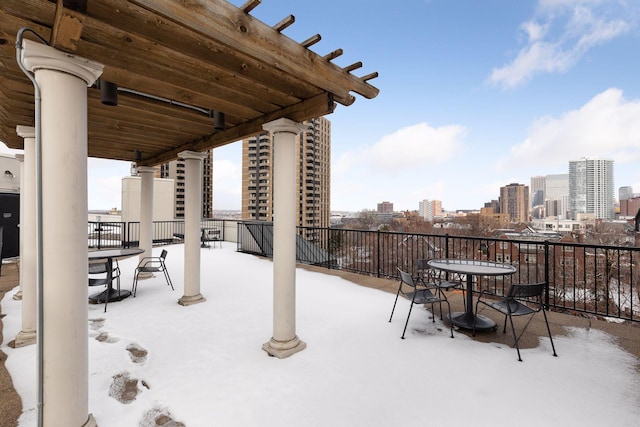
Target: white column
192,219
284,342
27,334
146,213
63,81
18,295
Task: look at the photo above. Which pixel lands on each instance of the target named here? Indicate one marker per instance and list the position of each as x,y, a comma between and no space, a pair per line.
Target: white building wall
9,174
163,199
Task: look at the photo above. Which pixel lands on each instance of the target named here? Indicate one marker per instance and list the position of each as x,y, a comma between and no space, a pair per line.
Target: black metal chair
151,265
99,276
438,279
522,299
419,293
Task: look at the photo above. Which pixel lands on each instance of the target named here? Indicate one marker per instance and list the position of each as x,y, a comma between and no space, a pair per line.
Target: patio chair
521,300
419,293
99,276
151,265
438,279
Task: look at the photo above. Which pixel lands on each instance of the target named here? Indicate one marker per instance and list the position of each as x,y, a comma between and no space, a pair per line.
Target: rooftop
204,365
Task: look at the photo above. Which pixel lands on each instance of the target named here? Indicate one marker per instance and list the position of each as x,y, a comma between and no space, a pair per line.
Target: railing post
378,252
546,274
446,245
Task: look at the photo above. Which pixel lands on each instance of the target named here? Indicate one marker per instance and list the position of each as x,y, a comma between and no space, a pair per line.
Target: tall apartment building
385,207
514,200
175,170
591,188
537,190
313,174
556,191
428,209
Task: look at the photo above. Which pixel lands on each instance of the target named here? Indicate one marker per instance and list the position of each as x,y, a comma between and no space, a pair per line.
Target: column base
91,422
24,339
190,300
282,349
18,295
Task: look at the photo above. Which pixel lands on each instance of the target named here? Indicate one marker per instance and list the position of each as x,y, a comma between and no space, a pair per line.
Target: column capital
283,125
146,169
191,155
26,131
37,56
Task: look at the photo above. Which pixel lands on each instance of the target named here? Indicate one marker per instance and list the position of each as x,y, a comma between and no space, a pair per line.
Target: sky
474,95
204,364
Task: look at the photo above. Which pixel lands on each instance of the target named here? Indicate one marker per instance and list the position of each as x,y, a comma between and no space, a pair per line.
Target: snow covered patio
204,365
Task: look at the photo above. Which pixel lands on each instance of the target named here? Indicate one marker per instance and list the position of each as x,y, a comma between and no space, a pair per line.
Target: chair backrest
406,278
526,290
98,267
422,265
163,254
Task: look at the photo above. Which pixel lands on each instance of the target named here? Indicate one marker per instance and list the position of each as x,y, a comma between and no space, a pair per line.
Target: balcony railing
592,279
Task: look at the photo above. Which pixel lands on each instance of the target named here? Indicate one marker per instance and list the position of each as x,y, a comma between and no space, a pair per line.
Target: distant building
591,188
514,201
175,170
629,207
556,191
625,193
537,190
313,148
429,209
385,207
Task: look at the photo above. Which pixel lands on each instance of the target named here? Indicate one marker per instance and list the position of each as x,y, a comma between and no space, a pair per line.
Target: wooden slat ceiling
174,62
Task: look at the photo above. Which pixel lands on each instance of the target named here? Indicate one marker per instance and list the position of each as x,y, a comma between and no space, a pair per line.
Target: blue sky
474,95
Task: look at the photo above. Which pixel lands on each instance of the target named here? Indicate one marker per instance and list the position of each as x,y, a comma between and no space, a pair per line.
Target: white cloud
607,126
564,32
412,147
406,165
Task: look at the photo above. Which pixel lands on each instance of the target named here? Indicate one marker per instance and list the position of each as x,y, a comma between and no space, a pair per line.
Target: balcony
205,362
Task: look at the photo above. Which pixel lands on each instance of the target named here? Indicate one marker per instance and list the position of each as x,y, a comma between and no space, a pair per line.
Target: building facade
313,174
429,209
591,188
537,190
514,201
556,190
175,170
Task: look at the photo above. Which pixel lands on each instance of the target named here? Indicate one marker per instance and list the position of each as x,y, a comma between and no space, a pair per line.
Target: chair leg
135,283
515,337
549,331
166,276
394,305
407,322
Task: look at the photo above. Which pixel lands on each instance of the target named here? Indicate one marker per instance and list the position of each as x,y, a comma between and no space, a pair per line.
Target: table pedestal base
114,295
465,320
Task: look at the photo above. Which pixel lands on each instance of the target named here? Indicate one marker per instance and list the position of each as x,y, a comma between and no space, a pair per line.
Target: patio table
470,268
110,255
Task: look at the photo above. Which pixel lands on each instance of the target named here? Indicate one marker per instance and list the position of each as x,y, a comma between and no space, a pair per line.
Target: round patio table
470,267
110,255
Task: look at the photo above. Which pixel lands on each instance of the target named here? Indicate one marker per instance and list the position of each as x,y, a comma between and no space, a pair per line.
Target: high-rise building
313,148
175,170
625,193
556,190
514,200
591,188
428,209
537,190
385,207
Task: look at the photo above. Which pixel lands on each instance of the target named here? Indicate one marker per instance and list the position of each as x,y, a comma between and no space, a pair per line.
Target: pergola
191,58
145,81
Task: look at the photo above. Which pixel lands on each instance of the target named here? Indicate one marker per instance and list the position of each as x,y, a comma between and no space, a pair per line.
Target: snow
204,364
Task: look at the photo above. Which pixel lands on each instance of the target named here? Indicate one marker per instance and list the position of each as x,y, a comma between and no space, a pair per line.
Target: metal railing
595,279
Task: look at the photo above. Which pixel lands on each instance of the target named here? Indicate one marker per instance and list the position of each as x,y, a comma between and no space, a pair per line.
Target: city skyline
473,96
